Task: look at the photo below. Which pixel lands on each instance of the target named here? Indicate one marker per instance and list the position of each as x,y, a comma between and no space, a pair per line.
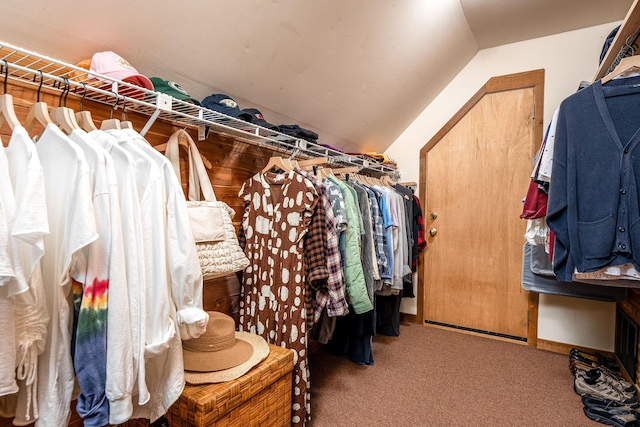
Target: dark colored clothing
593,197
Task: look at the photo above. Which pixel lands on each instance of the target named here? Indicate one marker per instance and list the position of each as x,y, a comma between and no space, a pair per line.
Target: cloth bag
216,241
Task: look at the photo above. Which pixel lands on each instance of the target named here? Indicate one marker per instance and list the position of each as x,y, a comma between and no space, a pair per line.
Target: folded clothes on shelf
298,132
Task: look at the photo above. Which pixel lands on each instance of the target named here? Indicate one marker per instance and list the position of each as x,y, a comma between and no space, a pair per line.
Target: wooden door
474,174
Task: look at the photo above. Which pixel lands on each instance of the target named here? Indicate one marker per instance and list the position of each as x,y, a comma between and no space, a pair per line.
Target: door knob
433,215
433,231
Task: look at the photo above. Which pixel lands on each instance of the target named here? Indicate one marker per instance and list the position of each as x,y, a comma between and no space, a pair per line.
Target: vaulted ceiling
356,72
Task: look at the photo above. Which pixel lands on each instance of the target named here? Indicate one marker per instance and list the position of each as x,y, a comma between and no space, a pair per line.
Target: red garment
535,204
422,242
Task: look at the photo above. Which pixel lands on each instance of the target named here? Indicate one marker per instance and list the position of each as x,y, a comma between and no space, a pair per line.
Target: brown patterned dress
278,210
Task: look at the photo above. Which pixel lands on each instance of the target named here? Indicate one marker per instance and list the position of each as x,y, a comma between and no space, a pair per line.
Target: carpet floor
434,377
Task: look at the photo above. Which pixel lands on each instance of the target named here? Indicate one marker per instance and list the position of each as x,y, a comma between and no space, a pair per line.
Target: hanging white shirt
106,256
133,251
8,383
161,329
31,225
546,158
6,269
72,227
184,266
185,286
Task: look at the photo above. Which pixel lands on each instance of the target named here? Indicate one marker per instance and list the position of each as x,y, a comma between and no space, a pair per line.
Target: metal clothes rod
35,69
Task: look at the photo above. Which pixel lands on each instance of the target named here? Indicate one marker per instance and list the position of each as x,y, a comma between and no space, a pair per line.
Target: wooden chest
261,397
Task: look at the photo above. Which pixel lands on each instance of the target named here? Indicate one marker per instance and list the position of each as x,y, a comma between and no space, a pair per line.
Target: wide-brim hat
221,354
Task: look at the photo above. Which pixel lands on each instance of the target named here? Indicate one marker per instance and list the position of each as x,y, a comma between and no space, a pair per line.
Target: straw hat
221,354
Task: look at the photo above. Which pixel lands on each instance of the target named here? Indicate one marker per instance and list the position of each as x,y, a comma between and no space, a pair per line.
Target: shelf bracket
163,103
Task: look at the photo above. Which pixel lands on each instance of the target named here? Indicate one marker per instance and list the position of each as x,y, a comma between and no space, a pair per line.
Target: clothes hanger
350,169
83,117
278,163
111,123
311,162
182,142
38,112
627,65
125,124
325,172
7,112
62,115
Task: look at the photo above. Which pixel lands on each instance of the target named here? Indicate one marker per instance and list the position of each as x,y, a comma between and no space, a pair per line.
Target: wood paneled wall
234,161
631,306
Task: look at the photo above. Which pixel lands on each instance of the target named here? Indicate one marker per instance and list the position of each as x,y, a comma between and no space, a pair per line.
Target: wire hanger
111,123
38,112
83,117
62,115
125,124
7,111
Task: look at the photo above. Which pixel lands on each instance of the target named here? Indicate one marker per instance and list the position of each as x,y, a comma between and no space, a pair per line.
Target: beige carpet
435,377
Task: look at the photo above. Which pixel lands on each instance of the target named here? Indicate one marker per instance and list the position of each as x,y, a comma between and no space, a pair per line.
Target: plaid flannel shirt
378,231
333,295
315,253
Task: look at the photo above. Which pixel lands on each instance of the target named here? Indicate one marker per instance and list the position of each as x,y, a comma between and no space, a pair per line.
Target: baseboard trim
467,332
409,318
564,348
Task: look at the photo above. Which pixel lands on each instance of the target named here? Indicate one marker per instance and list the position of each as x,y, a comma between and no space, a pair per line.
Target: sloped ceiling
356,72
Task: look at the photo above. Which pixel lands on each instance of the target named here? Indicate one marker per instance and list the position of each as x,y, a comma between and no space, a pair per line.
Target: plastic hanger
62,115
111,123
7,112
83,117
38,112
627,65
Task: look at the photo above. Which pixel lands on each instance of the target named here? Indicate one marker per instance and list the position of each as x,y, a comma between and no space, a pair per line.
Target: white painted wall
568,58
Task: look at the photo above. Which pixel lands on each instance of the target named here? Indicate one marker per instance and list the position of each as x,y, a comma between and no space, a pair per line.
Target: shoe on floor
613,417
603,391
603,375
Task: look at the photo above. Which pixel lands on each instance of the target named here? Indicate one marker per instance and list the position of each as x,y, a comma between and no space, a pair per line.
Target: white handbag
216,241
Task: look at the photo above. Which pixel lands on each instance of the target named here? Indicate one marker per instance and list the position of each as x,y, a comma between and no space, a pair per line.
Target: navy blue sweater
593,197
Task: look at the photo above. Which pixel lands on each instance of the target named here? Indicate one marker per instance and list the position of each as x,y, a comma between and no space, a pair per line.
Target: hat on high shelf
257,118
116,67
226,105
221,354
172,88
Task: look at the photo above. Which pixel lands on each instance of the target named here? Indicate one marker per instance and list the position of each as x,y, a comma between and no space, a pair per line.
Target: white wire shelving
34,69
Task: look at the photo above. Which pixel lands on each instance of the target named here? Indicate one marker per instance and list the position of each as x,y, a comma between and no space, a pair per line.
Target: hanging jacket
354,274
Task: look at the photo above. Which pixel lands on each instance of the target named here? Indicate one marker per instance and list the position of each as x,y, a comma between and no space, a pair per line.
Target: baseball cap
172,88
257,118
224,104
113,65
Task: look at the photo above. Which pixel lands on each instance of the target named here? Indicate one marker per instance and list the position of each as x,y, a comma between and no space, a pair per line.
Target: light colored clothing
184,266
30,312
98,291
132,373
72,227
353,272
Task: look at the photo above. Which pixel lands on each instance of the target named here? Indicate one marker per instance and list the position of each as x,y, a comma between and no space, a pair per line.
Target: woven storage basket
260,398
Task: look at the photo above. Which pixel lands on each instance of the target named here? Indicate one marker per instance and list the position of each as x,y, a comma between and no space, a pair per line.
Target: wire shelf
42,71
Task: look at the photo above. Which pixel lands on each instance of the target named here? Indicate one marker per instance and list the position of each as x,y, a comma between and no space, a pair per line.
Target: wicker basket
261,397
